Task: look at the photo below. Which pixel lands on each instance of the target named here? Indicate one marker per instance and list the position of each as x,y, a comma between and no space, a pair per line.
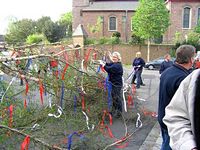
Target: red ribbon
109,132
83,102
64,70
133,88
11,115
130,101
25,143
146,113
25,104
87,56
27,88
102,69
104,115
41,91
94,56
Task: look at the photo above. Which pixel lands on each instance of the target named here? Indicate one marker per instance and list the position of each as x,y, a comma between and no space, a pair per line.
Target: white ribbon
82,68
14,78
138,122
56,116
35,126
141,99
87,122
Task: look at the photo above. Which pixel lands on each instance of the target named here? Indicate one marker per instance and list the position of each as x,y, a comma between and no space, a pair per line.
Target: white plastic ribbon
35,126
138,122
87,122
14,78
56,116
141,99
82,68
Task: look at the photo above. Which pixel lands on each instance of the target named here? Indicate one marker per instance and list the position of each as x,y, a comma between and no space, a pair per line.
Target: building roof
79,31
112,6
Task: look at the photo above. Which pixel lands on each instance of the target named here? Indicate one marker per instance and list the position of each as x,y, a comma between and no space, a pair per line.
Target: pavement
153,140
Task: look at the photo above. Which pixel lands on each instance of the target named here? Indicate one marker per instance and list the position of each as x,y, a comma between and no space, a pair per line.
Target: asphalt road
147,97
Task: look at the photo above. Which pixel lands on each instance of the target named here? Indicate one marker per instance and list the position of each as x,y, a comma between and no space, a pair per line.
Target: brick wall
128,52
176,18
90,18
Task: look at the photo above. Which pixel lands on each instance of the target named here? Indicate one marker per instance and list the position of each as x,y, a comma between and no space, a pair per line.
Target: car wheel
151,67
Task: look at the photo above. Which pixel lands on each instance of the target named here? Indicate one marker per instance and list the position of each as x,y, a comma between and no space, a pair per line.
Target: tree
151,20
197,28
18,31
66,21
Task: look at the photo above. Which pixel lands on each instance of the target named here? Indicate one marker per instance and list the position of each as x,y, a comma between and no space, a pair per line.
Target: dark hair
184,53
197,113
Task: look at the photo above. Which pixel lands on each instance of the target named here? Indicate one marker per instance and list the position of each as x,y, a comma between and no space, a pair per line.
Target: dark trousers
137,76
116,99
166,138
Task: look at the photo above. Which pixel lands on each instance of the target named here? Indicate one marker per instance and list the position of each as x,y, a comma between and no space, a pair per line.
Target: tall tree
18,31
66,21
151,20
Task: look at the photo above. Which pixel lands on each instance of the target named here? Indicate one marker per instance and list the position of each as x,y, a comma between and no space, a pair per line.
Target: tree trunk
148,49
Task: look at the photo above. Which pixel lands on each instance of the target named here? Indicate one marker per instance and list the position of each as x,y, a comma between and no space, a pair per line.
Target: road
148,96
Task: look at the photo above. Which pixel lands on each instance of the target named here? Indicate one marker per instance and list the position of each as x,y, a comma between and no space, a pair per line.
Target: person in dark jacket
166,63
138,64
169,83
182,114
115,73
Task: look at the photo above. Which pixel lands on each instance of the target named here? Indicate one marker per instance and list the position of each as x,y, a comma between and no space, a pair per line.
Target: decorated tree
150,20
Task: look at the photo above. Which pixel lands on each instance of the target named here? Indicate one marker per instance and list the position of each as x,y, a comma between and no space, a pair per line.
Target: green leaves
151,19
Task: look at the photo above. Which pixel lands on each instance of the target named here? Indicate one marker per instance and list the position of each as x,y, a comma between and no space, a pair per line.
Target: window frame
198,14
109,23
190,14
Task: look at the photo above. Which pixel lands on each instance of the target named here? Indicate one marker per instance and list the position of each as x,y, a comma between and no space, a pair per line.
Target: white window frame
109,24
190,17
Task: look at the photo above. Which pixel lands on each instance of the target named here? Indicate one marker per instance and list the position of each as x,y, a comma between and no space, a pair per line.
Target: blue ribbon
75,103
70,139
62,94
98,69
28,64
109,87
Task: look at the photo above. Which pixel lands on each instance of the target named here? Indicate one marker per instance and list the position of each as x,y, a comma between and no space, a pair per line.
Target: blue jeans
166,138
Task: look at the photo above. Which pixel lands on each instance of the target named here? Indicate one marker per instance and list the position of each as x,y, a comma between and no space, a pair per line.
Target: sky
31,9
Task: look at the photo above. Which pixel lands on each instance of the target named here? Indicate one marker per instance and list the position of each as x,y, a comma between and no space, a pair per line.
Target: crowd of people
179,95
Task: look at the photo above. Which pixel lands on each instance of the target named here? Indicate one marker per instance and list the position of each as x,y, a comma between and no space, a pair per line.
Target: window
186,17
198,16
112,24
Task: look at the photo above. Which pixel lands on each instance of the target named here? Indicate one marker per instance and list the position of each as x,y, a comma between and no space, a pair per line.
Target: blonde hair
138,54
117,54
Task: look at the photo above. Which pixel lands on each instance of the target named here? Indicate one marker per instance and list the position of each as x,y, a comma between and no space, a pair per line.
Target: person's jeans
166,138
138,74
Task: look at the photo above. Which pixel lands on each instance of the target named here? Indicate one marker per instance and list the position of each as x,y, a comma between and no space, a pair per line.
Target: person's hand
102,63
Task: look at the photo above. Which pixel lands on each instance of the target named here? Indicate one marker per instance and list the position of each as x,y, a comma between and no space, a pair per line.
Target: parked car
156,63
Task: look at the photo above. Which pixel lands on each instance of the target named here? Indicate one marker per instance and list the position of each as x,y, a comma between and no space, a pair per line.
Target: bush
114,40
35,38
116,34
89,41
136,40
103,40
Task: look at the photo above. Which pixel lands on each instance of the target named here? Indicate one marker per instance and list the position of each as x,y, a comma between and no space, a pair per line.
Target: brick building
115,15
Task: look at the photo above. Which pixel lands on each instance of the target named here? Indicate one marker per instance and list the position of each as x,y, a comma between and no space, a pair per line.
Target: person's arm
178,116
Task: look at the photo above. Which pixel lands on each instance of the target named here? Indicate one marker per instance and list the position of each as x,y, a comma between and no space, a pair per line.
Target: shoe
137,87
142,84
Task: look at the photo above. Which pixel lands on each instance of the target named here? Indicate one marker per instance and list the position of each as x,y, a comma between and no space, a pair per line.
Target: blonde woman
115,73
138,64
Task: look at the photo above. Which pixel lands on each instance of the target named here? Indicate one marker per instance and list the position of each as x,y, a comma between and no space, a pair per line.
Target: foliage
177,37
89,41
136,40
193,39
197,28
96,27
103,40
18,31
66,21
116,34
114,40
151,19
35,38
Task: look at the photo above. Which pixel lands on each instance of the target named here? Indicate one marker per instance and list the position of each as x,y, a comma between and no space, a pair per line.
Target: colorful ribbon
10,108
25,143
70,139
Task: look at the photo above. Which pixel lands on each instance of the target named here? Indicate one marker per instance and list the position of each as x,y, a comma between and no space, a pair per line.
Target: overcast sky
32,9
